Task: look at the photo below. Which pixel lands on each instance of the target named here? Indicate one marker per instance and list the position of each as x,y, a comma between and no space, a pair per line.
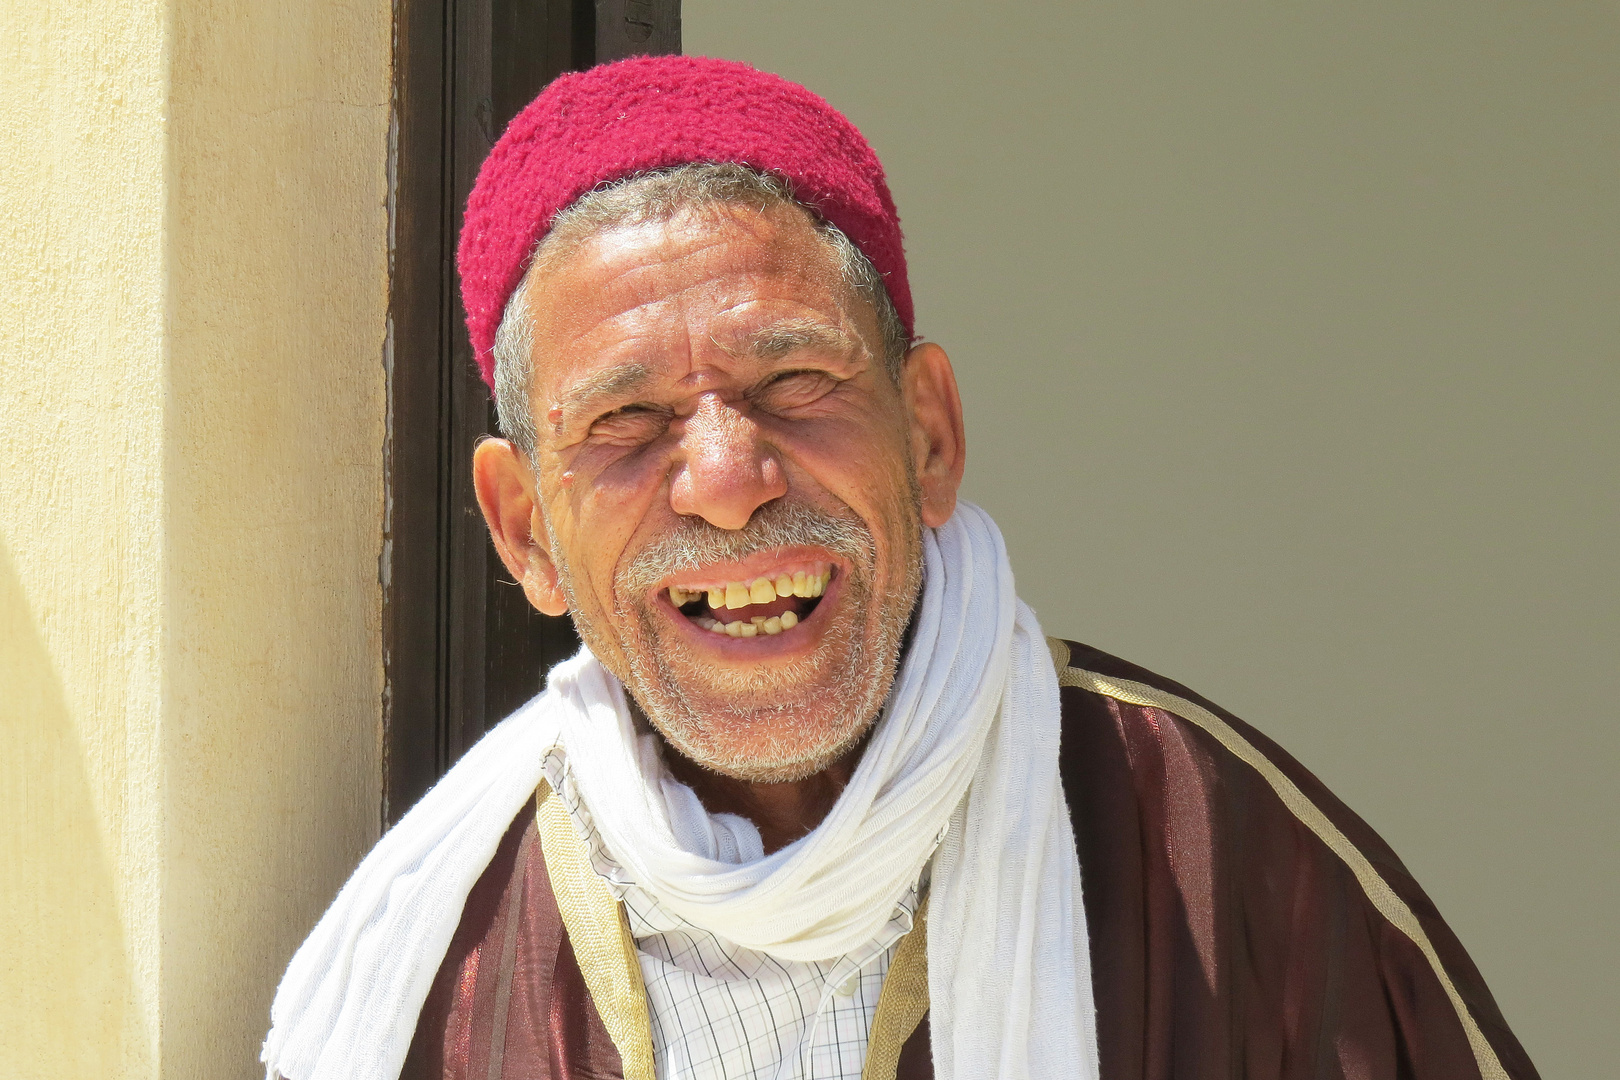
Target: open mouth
761,606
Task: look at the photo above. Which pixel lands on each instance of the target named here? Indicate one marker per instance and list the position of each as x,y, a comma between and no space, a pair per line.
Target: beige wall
81,536
1290,338
192,321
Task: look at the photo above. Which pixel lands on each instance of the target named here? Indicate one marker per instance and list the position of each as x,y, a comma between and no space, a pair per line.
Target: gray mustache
695,543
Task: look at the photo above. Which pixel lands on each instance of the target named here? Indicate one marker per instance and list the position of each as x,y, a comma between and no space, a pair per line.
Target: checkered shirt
723,1012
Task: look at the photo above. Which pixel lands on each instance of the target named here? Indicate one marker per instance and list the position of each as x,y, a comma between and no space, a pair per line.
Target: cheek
864,456
864,467
606,508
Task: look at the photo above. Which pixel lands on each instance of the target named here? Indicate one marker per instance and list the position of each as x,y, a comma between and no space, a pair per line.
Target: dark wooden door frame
461,646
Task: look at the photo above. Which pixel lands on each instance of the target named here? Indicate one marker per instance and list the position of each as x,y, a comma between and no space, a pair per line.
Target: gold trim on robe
902,1001
1389,905
600,935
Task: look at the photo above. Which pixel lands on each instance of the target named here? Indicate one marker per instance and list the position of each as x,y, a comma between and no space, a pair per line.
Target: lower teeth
770,625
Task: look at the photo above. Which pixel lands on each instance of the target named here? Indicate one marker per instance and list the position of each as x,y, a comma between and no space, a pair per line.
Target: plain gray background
1290,342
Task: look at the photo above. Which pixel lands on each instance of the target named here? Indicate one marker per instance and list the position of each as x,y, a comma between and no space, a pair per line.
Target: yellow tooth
748,629
801,587
737,595
716,626
762,591
789,620
784,586
717,598
756,619
679,596
734,629
815,585
826,579
773,625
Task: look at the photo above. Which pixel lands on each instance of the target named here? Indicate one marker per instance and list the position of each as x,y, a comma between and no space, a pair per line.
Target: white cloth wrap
967,747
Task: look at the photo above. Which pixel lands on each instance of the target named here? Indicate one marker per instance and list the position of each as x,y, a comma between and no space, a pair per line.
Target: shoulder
1174,734
1204,845
347,1003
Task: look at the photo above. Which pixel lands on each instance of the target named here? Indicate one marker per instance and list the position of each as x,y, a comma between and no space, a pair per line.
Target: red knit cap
652,112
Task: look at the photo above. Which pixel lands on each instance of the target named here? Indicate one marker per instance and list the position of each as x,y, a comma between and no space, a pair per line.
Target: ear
938,441
506,494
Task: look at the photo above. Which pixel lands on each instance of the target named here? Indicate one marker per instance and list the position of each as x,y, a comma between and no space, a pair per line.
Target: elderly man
819,799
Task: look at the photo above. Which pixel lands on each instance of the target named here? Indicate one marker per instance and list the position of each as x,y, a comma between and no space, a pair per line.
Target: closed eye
631,424
792,389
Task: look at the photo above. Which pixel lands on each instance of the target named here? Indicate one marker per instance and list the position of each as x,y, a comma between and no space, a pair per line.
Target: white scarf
967,747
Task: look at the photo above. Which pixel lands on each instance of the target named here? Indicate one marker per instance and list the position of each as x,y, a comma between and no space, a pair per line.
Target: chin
763,749
765,724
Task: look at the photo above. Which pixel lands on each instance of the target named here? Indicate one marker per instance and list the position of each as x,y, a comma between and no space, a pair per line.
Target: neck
783,812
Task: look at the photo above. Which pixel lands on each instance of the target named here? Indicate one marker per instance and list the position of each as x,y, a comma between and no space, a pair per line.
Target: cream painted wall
273,464
82,96
192,323
1290,339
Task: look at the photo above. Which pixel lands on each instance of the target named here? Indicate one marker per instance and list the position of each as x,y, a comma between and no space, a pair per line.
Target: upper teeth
738,594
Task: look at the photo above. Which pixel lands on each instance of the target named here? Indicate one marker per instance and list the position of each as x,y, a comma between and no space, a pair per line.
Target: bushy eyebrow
777,340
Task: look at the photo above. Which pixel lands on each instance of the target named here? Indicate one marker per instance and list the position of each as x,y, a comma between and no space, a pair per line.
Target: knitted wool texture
654,112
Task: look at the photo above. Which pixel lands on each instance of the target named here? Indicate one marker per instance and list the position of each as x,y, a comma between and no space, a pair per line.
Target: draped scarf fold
961,767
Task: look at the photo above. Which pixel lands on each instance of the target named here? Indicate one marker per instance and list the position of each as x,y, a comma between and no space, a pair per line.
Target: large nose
726,471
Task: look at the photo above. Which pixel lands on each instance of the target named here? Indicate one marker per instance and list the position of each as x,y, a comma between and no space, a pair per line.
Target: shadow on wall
66,992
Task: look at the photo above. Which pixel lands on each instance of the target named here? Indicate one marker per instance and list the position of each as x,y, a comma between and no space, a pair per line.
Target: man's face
724,483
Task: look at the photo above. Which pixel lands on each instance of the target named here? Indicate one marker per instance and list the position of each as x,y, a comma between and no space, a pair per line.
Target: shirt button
848,987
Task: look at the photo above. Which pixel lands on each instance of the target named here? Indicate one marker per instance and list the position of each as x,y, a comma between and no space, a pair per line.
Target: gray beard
778,749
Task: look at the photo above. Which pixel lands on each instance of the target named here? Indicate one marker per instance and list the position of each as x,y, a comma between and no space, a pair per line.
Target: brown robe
1244,923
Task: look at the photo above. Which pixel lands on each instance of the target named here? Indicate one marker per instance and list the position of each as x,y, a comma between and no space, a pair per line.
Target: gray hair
659,196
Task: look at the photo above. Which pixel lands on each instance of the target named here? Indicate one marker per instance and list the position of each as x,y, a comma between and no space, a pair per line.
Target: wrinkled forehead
634,290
